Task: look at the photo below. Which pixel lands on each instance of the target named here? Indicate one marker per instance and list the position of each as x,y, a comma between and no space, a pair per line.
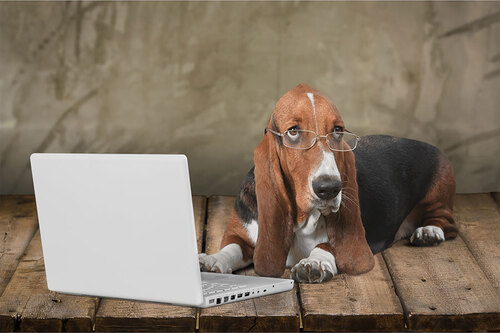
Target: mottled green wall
201,78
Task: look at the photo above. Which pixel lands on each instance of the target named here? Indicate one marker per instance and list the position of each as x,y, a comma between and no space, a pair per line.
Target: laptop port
226,298
218,300
247,293
233,297
211,301
240,295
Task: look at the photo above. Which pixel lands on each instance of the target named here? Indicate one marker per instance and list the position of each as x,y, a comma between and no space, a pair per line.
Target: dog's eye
338,129
293,133
337,133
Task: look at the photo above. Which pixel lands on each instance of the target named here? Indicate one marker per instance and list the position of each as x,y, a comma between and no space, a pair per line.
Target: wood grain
365,302
18,223
279,312
125,316
453,287
27,300
442,287
478,219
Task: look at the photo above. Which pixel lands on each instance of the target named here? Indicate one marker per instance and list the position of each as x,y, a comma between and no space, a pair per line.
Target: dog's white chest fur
307,235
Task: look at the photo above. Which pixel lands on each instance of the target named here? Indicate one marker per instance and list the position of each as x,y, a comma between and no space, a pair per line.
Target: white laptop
122,226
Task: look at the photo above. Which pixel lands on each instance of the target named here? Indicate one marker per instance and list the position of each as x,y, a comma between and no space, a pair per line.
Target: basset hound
315,204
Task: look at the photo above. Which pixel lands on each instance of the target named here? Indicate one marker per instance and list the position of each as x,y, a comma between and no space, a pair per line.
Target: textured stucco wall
202,78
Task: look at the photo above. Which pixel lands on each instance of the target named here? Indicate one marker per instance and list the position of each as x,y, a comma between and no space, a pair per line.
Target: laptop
122,226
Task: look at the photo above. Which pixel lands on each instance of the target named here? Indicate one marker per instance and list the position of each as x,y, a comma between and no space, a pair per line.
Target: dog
314,204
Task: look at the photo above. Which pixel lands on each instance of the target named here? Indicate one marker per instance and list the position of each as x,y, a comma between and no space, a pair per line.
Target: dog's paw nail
427,236
312,271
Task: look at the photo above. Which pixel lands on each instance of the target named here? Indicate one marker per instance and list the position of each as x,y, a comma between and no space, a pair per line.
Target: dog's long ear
275,209
346,233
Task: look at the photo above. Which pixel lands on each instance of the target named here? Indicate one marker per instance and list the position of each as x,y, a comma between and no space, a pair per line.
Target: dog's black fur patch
393,175
246,203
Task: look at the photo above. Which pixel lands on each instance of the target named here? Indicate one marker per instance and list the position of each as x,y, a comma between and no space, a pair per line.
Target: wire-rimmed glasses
304,139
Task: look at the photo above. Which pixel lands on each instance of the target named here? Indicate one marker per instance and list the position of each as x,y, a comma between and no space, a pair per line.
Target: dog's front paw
427,236
313,270
211,263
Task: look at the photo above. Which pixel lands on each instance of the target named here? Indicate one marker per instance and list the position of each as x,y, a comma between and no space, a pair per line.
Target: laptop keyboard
212,288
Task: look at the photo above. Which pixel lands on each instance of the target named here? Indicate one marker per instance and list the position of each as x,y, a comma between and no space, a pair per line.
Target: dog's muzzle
330,206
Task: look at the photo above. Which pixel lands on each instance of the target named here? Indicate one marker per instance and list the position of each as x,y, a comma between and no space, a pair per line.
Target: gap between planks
496,197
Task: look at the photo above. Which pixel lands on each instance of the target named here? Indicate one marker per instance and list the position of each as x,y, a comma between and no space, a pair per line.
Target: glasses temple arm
357,136
270,130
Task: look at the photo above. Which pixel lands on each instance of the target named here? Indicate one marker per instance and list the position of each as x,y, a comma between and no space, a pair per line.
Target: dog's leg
236,249
227,260
318,267
436,210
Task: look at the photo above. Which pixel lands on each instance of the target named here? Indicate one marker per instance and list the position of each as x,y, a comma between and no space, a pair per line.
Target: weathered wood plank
364,302
27,299
478,218
442,287
18,223
279,312
124,315
130,316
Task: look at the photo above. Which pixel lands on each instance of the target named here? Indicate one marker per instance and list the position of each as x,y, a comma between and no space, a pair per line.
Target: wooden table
452,287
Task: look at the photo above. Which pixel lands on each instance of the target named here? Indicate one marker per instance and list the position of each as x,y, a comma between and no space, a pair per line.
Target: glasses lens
342,141
299,139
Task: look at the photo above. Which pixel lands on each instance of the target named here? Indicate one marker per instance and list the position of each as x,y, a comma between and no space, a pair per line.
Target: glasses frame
316,139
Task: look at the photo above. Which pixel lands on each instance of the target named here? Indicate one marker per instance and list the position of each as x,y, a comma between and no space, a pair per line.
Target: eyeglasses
304,139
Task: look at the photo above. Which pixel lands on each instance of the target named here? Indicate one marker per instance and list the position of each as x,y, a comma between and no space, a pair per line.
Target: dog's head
304,164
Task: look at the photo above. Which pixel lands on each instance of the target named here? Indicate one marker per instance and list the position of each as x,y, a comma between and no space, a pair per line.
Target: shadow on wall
203,78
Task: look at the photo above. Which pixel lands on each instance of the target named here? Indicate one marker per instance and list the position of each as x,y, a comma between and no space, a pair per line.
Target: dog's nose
326,187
